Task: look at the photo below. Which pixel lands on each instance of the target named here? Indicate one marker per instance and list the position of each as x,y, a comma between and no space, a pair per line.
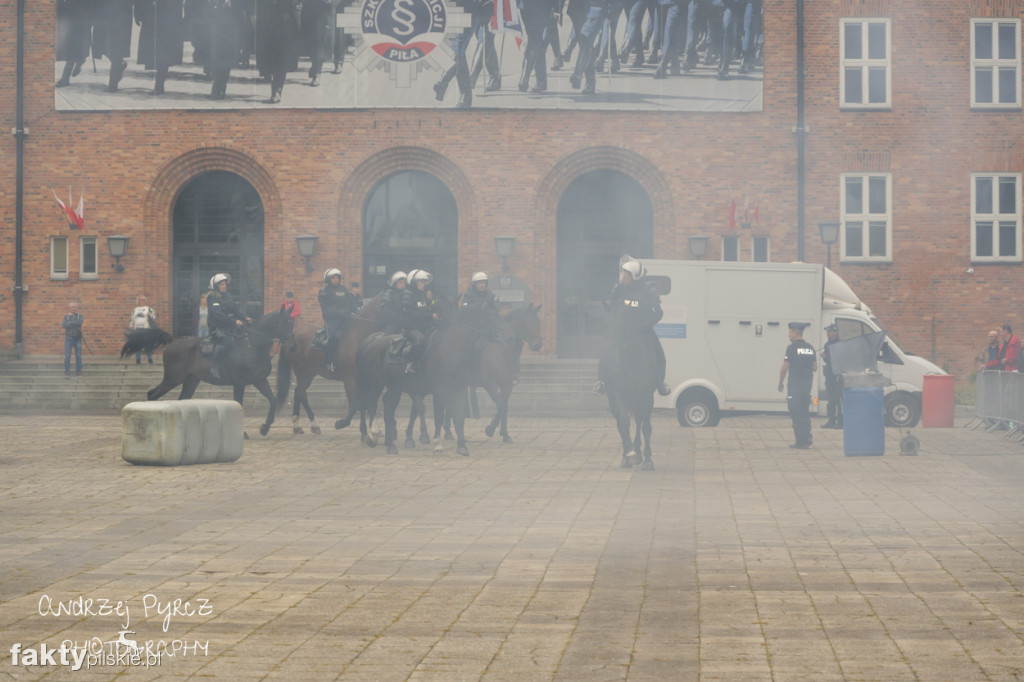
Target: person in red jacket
1008,359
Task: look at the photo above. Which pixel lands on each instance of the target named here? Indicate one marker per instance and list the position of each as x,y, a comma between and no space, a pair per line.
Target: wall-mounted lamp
698,246
829,236
118,245
307,248
505,245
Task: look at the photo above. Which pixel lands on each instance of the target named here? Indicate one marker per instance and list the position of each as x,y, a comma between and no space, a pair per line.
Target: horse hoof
425,439
342,423
449,436
438,447
264,429
507,439
392,449
489,430
297,429
648,465
410,443
626,464
635,459
315,429
462,450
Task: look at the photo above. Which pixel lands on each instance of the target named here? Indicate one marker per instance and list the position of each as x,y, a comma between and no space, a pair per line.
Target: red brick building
913,143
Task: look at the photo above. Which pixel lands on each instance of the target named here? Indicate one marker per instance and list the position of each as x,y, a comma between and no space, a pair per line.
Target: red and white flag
505,19
732,215
75,216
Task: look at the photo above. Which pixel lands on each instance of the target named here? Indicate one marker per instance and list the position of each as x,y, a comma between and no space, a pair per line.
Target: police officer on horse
418,320
636,305
224,316
338,306
391,304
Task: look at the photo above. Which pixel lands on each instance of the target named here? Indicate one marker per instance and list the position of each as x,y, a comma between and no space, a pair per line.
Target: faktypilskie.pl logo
127,648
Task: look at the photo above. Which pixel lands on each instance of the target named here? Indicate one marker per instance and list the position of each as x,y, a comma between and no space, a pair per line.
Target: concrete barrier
173,432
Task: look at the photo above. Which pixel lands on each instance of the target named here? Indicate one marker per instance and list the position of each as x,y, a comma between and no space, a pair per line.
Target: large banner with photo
635,55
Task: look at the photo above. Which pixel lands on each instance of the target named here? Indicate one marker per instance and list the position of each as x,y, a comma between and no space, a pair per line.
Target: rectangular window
995,64
58,257
730,248
996,217
865,69
760,250
866,206
87,267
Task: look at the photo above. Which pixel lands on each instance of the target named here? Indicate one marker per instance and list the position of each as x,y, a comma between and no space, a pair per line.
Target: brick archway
374,169
170,180
557,181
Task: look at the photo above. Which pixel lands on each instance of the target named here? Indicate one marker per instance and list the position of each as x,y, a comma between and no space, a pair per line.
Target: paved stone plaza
315,558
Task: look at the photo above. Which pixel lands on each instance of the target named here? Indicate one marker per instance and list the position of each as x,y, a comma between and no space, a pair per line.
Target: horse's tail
145,340
284,378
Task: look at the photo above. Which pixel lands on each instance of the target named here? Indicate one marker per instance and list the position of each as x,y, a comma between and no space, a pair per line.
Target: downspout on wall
19,136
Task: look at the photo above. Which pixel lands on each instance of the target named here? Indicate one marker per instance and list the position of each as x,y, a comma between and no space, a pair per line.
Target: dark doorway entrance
410,220
218,227
602,215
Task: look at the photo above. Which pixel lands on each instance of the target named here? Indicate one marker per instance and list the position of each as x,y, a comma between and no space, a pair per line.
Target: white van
725,333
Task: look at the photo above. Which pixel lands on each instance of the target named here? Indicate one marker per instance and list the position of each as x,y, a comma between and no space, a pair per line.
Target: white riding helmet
397,277
218,278
331,273
420,276
634,268
478,277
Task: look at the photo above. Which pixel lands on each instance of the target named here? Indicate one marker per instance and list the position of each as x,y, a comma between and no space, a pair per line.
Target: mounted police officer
833,387
338,307
478,296
223,317
634,301
391,304
417,318
800,364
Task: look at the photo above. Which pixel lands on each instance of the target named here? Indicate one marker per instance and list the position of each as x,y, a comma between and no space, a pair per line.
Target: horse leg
409,442
162,388
622,423
439,416
188,387
422,409
238,390
350,397
263,386
474,409
648,464
391,398
460,432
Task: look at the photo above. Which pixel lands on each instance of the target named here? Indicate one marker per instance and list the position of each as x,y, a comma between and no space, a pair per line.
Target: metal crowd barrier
999,403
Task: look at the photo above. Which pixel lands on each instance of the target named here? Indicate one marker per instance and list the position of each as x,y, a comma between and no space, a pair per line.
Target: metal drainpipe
800,131
19,135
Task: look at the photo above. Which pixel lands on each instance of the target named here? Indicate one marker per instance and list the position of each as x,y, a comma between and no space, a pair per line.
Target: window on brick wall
87,258
760,249
730,247
866,207
995,217
995,63
58,257
865,71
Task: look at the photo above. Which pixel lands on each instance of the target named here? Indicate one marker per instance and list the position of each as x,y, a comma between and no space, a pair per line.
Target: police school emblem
403,30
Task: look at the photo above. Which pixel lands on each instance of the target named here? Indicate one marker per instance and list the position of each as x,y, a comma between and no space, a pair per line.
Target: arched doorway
602,215
410,220
218,227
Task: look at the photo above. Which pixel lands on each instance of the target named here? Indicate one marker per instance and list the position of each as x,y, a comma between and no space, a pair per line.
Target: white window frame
726,238
83,273
865,217
56,244
865,64
995,64
995,218
767,248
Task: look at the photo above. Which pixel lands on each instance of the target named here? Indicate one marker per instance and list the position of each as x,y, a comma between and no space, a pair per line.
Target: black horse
631,377
378,372
247,361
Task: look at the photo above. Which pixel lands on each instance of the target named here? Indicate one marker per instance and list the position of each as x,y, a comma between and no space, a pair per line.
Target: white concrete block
176,432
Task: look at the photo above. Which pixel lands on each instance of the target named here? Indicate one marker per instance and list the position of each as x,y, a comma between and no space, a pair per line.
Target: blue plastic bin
864,421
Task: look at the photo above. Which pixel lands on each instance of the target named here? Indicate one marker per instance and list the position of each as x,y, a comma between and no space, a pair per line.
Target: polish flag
505,19
75,216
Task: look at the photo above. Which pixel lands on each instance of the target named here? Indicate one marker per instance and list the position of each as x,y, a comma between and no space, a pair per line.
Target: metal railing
999,403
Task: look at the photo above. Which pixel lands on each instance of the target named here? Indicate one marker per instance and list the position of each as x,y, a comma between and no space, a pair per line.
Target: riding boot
117,70
161,76
65,77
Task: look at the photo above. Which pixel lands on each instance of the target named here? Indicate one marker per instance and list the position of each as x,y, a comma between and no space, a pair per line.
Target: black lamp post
307,248
829,236
118,245
698,246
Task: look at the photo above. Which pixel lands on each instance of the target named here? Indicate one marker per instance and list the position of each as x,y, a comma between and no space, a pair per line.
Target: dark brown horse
247,361
631,377
307,362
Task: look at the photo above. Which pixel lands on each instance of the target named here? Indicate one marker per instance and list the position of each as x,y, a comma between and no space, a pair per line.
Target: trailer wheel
697,407
902,409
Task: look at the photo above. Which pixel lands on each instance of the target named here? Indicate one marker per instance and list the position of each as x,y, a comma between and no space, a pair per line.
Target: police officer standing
338,307
800,364
833,391
223,317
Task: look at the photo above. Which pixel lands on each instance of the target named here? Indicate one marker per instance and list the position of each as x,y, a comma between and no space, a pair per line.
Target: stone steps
547,387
